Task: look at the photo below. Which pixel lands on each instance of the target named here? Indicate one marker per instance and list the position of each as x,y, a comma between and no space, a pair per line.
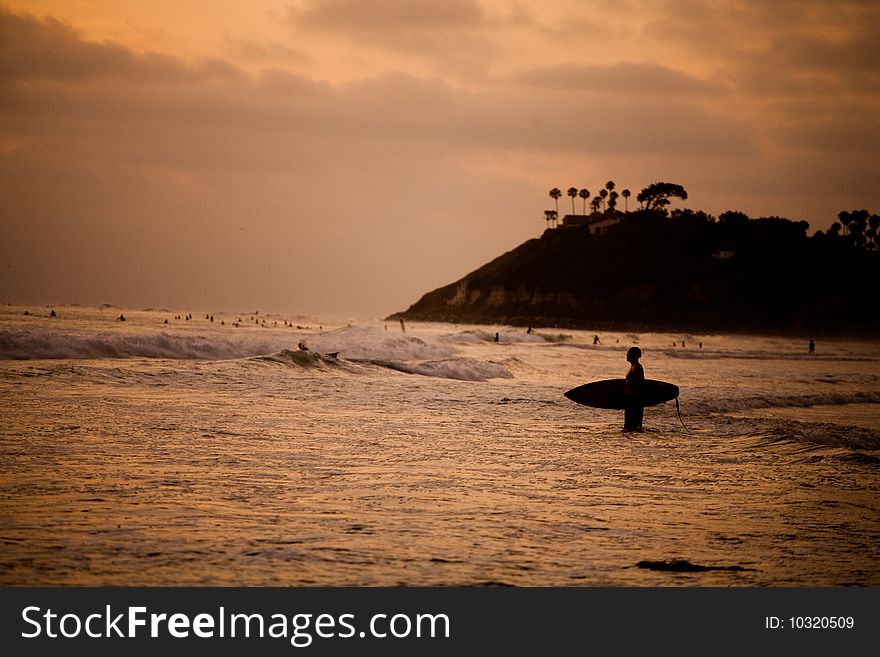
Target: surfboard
609,393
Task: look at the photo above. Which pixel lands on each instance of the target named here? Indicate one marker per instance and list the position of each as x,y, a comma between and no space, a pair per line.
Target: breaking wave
733,404
505,336
331,349
463,369
835,435
302,358
40,344
412,355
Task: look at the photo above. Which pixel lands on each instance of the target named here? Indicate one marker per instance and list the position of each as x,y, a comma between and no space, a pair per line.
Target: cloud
826,126
47,49
451,34
811,66
265,52
142,177
30,47
786,46
146,175
626,78
382,16
803,72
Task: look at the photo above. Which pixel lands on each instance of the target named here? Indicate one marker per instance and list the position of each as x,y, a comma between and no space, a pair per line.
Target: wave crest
41,344
733,404
462,369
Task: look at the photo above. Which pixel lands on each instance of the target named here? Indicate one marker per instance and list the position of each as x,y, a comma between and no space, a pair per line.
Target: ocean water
204,452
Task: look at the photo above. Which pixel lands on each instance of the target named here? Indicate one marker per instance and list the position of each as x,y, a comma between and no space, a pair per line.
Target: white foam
463,369
733,404
43,343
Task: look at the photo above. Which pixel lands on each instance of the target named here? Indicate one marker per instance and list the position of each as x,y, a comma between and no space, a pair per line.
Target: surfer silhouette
812,347
635,381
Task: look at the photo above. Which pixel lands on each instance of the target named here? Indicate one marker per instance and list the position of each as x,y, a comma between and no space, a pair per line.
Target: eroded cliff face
465,302
498,297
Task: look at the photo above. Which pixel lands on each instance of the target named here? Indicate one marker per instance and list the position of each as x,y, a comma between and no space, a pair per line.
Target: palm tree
603,194
573,192
555,194
548,215
610,185
584,194
626,194
612,200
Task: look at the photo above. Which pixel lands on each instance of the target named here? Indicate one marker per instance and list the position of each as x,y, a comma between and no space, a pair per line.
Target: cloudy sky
344,156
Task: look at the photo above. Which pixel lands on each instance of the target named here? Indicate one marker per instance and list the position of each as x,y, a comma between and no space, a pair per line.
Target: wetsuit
634,411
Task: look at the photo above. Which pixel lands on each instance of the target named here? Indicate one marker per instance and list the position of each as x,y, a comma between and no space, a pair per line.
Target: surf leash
678,408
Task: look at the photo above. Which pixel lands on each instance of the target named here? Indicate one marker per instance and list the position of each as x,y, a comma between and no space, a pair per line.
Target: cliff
684,272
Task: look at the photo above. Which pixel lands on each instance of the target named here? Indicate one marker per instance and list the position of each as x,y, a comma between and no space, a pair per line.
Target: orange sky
341,156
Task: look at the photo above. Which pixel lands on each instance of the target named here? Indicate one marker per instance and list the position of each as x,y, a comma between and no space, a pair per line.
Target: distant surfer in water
632,390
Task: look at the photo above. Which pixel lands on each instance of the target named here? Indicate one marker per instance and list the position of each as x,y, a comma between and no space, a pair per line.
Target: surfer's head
633,354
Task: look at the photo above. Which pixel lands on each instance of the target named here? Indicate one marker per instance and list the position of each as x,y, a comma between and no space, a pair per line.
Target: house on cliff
598,222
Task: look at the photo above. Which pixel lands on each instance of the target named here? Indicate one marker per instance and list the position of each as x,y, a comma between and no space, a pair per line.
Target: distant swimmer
812,346
596,339
402,325
633,412
53,314
496,337
302,345
530,331
121,318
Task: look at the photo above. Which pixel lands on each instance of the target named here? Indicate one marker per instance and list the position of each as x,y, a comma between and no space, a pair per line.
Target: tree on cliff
656,195
626,194
862,227
573,192
584,194
555,193
612,195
